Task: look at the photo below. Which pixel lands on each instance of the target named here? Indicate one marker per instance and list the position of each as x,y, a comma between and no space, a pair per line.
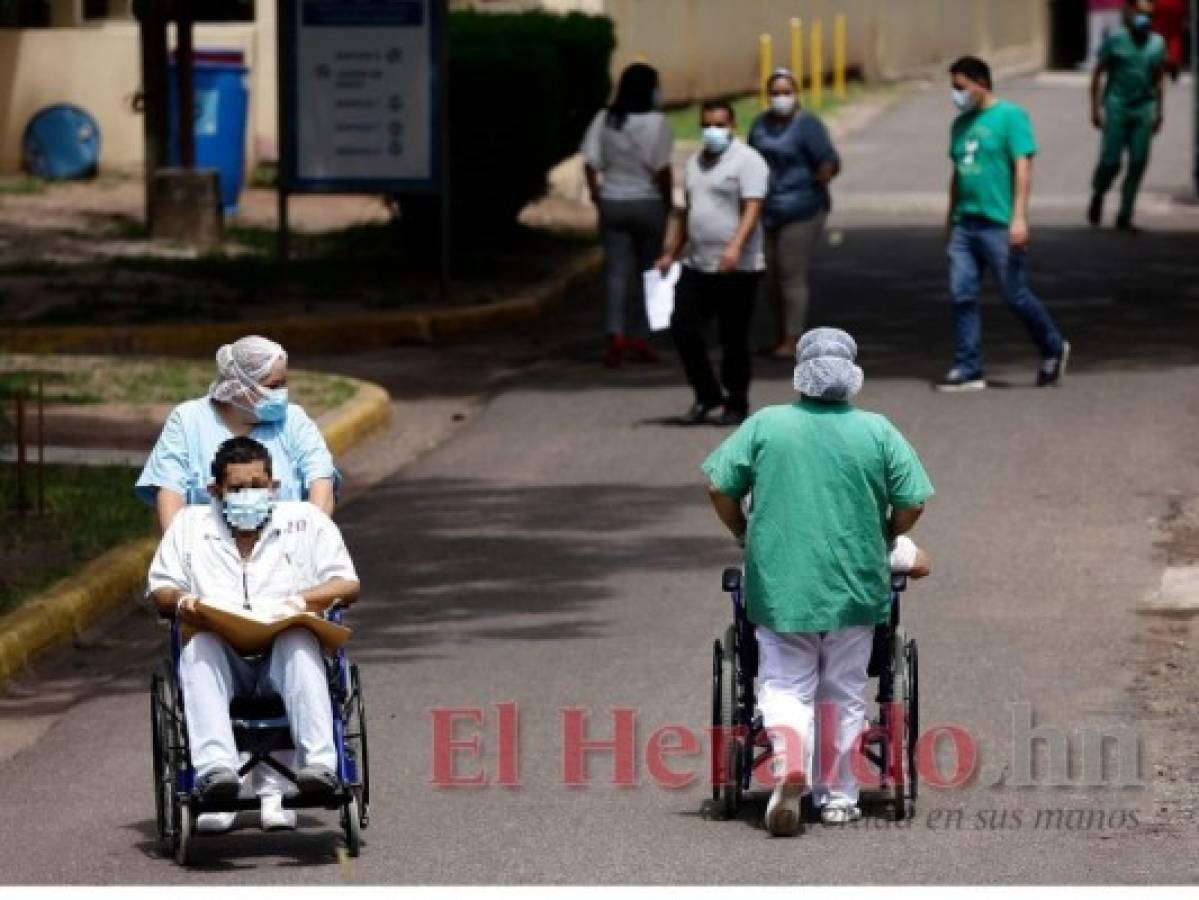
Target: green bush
523,88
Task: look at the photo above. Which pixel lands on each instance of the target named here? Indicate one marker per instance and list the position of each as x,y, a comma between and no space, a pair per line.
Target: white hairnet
241,367
825,367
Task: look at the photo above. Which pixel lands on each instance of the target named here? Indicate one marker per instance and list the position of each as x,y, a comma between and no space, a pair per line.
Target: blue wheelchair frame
260,726
742,743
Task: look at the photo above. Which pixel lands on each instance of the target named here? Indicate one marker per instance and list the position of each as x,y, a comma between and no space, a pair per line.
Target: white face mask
963,100
782,104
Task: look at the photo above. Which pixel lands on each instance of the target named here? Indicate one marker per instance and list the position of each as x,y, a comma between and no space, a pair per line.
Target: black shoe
316,780
698,414
1124,223
731,417
1095,210
958,381
1053,370
218,784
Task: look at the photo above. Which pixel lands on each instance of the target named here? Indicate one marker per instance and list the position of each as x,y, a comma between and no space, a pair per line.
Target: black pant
730,298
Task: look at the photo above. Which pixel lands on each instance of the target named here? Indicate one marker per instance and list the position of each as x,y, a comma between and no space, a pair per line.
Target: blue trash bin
221,104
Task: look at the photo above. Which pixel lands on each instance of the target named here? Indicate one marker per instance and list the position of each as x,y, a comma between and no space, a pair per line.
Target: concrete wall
709,47
99,68
702,47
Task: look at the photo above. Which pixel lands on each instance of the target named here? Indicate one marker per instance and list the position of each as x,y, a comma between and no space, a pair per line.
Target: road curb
311,334
67,609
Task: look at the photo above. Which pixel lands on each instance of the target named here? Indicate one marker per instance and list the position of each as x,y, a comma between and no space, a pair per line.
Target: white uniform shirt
715,190
298,549
629,157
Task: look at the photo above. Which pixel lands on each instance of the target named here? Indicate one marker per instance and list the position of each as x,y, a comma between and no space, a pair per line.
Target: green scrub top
984,145
824,477
1131,68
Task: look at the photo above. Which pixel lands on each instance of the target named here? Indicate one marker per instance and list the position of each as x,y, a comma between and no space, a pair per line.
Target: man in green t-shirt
832,486
992,146
1130,69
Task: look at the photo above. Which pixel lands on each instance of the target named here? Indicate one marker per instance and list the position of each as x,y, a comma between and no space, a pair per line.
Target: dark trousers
730,298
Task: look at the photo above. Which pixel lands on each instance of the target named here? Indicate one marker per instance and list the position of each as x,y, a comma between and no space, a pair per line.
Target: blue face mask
272,407
717,138
248,509
1141,22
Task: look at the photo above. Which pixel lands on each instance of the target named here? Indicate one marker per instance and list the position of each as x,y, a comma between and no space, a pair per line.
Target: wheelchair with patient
889,741
271,702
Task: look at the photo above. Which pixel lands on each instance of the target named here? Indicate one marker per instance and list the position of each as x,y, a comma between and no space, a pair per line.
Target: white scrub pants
212,673
798,672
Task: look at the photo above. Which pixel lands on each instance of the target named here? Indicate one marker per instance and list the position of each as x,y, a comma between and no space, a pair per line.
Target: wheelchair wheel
351,823
165,744
356,745
913,661
727,786
187,827
903,658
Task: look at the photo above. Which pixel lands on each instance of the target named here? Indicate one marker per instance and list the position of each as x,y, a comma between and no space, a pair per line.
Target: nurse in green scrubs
833,486
1129,109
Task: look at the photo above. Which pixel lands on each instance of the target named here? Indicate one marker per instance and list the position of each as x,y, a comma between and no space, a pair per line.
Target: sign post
361,91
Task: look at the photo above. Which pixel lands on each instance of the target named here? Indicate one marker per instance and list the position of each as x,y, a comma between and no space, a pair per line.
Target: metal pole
817,63
447,232
41,446
1195,85
185,84
797,55
22,500
284,61
154,91
765,67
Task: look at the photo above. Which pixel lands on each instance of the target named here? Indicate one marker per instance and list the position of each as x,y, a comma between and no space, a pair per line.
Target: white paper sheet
659,296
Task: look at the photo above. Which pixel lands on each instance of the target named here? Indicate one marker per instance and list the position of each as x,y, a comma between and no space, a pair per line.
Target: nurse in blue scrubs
248,397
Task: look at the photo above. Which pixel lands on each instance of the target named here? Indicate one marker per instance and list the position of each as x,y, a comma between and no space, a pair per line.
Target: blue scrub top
182,458
794,151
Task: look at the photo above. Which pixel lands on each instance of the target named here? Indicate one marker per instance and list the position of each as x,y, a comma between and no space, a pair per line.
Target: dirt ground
1165,685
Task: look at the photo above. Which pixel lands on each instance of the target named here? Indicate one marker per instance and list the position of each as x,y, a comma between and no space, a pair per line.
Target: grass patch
89,509
21,185
91,380
685,119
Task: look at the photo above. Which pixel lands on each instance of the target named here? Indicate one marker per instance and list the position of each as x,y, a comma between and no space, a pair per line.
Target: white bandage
903,555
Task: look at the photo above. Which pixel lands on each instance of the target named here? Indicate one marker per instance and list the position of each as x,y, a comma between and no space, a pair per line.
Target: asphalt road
559,553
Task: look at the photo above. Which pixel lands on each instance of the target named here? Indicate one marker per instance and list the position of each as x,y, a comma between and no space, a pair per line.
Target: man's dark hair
710,105
236,451
973,68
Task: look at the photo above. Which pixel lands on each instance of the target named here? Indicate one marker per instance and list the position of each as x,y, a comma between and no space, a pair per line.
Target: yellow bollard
766,66
797,55
817,88
839,53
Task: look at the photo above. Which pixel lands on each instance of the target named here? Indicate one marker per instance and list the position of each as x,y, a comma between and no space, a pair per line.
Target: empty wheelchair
744,745
260,728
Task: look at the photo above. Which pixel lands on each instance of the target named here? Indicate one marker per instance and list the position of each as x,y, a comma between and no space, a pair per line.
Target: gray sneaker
958,380
316,780
1053,370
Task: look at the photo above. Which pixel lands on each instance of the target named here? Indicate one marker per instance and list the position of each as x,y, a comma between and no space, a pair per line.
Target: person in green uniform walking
832,486
1130,69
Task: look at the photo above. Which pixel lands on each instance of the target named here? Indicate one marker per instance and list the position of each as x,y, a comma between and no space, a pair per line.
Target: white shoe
274,816
215,822
782,812
840,815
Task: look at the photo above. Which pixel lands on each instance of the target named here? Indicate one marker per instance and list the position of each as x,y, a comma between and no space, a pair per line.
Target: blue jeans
975,246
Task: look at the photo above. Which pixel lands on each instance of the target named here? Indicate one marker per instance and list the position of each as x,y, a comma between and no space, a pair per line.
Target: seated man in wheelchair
833,486
267,556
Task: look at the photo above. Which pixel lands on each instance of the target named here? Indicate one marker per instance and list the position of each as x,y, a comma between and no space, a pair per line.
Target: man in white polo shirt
720,243
246,549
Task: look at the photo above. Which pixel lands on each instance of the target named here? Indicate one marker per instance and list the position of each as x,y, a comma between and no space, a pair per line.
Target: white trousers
212,673
799,674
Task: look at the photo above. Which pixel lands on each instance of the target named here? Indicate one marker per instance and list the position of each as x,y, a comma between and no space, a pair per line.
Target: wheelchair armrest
335,612
899,583
731,580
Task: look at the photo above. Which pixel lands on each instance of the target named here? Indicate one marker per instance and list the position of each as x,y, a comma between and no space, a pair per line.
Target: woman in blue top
802,162
248,397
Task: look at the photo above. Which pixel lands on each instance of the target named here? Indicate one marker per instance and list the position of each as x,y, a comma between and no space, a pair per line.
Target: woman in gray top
802,161
627,152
